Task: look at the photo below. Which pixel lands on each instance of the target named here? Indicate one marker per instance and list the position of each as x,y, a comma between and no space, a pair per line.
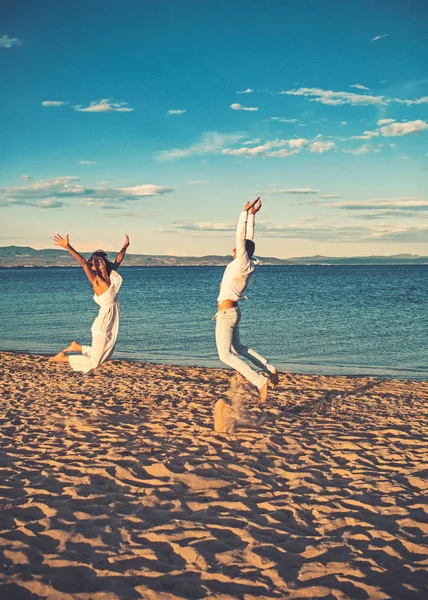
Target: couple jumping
237,278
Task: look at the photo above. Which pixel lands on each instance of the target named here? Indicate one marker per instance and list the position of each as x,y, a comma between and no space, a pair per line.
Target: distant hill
24,256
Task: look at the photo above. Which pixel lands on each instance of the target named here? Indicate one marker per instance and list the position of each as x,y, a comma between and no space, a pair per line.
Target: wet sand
113,485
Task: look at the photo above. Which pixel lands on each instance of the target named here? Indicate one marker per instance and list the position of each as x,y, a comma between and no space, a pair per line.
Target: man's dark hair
250,247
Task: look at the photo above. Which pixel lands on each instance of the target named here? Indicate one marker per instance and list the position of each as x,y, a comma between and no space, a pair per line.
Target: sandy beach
115,486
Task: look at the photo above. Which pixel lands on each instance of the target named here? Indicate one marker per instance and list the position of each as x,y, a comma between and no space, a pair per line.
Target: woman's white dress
104,329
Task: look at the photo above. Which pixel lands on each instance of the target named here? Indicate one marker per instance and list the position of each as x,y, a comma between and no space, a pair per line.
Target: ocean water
357,320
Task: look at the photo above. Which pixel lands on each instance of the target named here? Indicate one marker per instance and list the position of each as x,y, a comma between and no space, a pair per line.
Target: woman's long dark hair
100,255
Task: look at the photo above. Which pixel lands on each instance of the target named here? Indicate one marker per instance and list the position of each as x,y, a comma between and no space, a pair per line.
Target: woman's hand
61,242
256,207
249,205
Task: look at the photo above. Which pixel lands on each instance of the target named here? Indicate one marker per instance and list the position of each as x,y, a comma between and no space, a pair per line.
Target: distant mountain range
24,256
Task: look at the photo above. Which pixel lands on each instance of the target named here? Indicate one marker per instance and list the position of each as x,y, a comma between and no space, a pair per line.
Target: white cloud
379,37
282,120
211,142
423,100
236,106
9,42
329,196
282,152
145,190
343,123
385,121
196,182
361,150
104,105
87,162
26,177
395,129
321,147
179,111
360,87
336,98
382,207
266,148
315,231
247,91
53,193
51,103
366,135
254,141
304,191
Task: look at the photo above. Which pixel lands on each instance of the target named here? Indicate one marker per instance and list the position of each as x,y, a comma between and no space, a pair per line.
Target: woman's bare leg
73,347
60,357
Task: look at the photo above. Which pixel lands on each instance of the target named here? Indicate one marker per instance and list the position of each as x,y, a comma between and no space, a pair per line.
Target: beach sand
114,485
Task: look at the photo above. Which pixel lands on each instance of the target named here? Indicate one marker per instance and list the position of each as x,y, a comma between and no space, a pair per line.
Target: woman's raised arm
121,255
64,243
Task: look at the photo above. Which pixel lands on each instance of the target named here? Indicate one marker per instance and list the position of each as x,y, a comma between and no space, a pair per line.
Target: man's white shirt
239,274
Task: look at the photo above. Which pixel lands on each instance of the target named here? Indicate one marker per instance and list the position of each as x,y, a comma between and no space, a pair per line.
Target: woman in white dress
106,282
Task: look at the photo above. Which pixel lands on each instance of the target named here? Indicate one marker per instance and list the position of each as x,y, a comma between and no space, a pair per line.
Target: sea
354,320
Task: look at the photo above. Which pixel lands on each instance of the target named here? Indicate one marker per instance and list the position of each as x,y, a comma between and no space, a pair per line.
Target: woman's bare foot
273,377
60,357
263,392
73,347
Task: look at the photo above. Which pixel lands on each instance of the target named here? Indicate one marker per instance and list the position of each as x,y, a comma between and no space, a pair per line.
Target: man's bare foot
263,392
60,357
273,377
73,347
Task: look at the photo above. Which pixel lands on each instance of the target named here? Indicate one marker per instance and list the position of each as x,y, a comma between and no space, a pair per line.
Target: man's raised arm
241,236
252,219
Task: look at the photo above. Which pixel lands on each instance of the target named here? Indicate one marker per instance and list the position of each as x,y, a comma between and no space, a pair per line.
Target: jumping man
237,278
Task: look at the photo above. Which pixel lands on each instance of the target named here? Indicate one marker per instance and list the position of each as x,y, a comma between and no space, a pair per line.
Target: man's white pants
229,346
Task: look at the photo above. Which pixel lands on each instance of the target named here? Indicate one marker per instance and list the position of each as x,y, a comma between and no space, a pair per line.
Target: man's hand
249,205
61,242
127,242
257,206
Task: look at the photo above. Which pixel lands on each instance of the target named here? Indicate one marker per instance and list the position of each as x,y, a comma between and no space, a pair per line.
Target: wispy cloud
332,98
52,103
55,192
356,151
8,42
282,120
247,91
385,207
266,149
26,177
379,37
298,191
385,121
321,147
176,111
236,106
105,105
395,129
360,87
87,162
211,142
196,182
422,100
333,232
366,135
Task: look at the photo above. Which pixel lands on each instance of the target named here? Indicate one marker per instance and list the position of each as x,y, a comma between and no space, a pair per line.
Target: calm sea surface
332,320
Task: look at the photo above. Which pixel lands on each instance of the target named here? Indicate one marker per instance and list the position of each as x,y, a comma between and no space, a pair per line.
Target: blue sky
160,119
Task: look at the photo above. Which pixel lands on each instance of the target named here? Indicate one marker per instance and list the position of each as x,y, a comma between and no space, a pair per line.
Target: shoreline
223,264
115,485
304,372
